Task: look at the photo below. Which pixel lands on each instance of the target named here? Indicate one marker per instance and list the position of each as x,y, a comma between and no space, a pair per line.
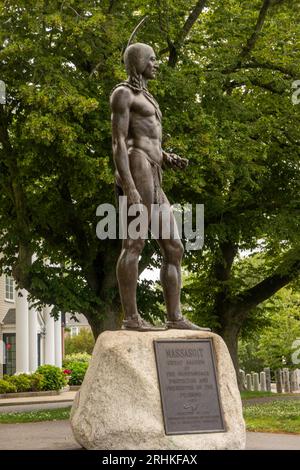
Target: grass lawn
34,416
245,395
277,416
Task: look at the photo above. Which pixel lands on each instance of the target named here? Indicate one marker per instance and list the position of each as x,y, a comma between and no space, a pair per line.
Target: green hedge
22,382
54,378
7,387
45,378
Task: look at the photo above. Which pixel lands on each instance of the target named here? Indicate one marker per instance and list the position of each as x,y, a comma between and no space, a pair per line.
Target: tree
274,345
225,91
84,342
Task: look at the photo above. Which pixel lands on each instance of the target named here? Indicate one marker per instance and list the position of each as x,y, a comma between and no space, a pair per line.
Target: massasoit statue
138,157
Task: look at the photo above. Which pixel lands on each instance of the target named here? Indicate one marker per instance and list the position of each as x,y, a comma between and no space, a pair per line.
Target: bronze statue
138,157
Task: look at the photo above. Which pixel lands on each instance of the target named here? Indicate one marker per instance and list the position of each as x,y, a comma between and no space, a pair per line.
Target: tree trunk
230,334
230,337
108,319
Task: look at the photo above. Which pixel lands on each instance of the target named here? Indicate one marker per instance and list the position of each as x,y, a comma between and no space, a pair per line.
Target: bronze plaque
188,386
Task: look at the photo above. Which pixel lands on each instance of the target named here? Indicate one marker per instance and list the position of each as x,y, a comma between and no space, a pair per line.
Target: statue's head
140,61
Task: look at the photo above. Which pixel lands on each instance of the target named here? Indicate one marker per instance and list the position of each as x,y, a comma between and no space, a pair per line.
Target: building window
74,331
9,288
9,341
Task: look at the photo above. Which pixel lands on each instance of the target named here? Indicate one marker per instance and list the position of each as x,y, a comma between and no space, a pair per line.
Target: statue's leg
127,275
170,274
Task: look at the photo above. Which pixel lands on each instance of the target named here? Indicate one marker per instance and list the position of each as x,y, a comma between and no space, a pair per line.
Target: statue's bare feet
137,323
184,324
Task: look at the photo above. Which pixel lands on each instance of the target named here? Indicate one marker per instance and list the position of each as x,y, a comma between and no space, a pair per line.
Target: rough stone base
119,405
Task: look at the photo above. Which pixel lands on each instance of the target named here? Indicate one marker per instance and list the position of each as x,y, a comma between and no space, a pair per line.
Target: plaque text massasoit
188,386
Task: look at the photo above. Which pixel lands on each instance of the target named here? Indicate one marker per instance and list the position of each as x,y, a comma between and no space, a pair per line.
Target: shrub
76,357
83,342
37,382
22,382
78,370
54,378
7,387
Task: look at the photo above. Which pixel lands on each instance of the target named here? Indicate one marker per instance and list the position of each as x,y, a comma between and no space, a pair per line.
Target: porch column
33,339
57,341
22,332
49,357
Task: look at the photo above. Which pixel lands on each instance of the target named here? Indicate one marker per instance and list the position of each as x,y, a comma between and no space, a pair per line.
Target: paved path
46,435
272,441
57,435
62,397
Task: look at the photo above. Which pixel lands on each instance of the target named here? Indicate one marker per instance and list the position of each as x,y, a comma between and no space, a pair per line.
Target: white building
28,338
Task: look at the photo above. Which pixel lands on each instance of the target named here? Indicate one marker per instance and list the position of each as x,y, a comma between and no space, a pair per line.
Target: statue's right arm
121,101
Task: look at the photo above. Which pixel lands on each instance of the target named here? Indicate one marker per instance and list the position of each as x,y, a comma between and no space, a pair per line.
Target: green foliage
76,357
82,343
77,363
54,378
37,381
25,382
22,382
7,387
248,357
78,370
274,345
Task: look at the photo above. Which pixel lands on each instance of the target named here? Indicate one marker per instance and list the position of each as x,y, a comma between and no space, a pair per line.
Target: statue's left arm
174,161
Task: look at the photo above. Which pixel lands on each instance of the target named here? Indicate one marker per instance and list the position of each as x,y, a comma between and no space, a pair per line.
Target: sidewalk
61,398
57,435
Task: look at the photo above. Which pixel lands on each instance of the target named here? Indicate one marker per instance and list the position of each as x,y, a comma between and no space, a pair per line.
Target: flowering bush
77,370
76,357
67,374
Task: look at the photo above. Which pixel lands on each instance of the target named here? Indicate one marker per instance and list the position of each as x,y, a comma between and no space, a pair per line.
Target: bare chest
143,107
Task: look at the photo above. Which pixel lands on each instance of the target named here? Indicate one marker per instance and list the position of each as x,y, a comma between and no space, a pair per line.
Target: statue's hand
177,162
133,196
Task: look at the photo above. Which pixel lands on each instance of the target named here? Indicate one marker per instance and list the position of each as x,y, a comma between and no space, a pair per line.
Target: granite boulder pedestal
119,404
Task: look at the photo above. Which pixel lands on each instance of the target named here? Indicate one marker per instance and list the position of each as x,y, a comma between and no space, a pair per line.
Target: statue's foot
185,324
137,323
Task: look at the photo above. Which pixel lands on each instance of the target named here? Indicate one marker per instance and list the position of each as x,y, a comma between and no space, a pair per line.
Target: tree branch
111,5
191,20
255,64
269,286
175,46
251,41
258,27
229,86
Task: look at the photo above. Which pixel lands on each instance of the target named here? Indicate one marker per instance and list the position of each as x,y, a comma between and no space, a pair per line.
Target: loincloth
157,179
